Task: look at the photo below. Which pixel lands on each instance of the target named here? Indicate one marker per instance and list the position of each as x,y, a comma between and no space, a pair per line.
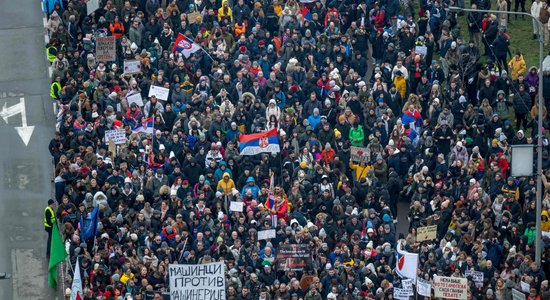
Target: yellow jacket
400,85
545,224
360,171
225,13
227,186
517,67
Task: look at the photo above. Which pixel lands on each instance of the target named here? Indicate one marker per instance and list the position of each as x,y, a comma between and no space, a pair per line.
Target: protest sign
91,6
105,48
266,234
192,17
422,50
293,257
525,287
205,281
117,135
407,285
132,66
423,287
426,233
517,295
401,294
236,206
359,154
477,277
159,92
150,295
450,287
135,98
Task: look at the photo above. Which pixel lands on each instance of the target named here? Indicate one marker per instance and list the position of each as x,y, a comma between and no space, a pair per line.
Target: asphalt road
25,171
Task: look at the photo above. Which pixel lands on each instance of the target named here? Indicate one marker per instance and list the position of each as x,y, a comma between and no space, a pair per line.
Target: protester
316,120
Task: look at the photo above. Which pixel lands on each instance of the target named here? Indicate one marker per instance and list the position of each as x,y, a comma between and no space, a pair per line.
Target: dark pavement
25,171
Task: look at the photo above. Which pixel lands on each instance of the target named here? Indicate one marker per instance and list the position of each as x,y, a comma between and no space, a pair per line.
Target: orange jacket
239,29
117,29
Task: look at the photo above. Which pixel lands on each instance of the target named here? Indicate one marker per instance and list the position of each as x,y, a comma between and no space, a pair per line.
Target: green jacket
531,235
356,136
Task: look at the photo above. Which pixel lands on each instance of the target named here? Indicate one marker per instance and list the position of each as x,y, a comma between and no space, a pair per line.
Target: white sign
359,154
197,281
160,92
422,50
450,287
105,48
132,66
401,294
24,131
266,234
525,287
408,286
92,5
236,206
517,295
117,135
423,287
477,276
135,98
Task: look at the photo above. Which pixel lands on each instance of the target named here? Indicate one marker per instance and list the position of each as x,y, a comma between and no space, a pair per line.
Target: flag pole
207,54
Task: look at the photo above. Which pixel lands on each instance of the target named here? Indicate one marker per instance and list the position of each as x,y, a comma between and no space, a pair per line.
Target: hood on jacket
226,174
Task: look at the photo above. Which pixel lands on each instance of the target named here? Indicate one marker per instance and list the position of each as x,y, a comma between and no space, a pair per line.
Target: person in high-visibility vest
55,88
49,221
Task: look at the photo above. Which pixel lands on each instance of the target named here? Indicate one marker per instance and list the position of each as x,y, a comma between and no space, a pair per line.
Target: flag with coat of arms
185,46
406,263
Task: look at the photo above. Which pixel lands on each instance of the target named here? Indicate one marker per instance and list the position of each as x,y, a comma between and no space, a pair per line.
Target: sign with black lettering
450,287
293,257
189,282
105,48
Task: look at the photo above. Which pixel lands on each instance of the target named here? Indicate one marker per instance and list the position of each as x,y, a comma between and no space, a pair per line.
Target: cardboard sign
117,135
426,233
477,277
359,154
132,66
205,281
517,295
159,92
135,98
450,287
293,257
192,17
236,206
266,234
105,48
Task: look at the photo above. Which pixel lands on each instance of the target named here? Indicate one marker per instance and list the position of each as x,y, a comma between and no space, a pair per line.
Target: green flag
57,255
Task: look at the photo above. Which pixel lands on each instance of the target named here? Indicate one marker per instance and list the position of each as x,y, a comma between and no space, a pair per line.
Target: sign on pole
159,92
197,281
359,154
91,6
450,287
105,48
426,233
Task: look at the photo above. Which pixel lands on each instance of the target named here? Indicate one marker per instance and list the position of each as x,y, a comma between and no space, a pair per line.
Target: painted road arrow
24,131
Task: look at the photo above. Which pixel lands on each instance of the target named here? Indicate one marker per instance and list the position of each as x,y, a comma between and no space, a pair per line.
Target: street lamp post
538,250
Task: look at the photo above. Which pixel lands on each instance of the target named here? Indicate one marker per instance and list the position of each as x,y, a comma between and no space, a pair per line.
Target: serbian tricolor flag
76,287
252,144
147,126
406,263
306,13
185,46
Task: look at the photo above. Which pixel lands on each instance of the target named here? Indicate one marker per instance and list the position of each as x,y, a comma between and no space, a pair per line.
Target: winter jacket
522,102
517,67
357,135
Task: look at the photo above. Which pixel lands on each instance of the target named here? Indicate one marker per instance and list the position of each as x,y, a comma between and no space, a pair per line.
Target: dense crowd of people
434,115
